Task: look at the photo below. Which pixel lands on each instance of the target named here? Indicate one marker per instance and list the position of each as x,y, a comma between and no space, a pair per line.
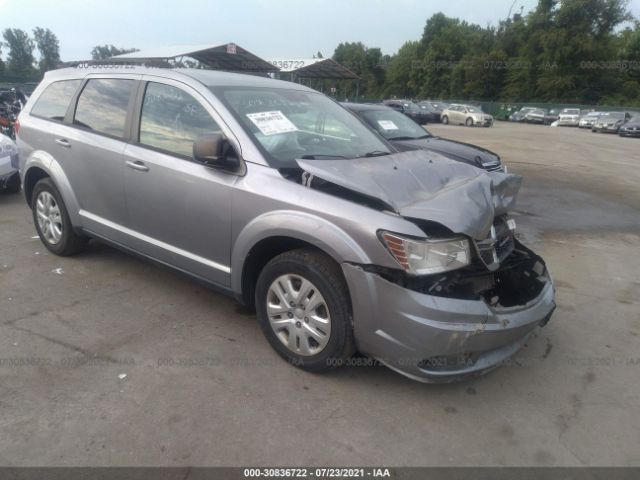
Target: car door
461,115
179,210
95,142
453,114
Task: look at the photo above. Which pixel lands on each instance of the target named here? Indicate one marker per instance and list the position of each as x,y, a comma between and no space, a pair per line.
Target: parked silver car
466,115
274,193
9,177
589,119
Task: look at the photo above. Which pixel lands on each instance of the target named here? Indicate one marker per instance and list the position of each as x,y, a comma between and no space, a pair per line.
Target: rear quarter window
54,100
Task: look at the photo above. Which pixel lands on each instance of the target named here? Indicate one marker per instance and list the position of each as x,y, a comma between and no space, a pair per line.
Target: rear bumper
439,339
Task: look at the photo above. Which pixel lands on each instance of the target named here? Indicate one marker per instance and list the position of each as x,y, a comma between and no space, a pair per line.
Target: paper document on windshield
272,123
387,125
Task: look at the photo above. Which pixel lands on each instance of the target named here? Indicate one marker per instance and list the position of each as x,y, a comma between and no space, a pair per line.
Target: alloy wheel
49,218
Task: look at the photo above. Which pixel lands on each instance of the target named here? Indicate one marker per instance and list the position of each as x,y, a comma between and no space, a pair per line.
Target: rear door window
102,105
54,101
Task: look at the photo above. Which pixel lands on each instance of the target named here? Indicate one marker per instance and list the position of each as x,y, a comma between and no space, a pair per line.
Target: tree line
578,51
21,65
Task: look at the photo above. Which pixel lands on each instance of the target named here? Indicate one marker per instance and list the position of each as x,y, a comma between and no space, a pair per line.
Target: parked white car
569,117
466,115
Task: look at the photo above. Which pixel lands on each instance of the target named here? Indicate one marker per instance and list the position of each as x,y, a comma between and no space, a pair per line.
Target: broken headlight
427,256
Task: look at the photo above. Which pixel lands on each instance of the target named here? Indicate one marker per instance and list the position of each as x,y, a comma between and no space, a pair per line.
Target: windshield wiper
319,155
375,153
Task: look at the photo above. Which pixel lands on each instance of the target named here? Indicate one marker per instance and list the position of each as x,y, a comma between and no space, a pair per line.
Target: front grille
497,246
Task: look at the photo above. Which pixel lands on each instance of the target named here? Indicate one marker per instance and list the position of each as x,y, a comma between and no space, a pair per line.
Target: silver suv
275,194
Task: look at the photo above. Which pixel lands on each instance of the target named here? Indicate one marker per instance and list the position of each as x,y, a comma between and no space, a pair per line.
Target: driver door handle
137,165
63,142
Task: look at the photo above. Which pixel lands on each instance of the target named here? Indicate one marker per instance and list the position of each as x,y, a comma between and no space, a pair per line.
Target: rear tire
303,307
52,220
445,120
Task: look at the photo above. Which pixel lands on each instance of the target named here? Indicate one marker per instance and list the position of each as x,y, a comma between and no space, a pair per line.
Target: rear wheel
469,122
52,220
303,307
445,120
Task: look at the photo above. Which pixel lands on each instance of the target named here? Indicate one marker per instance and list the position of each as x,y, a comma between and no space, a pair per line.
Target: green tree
367,63
444,43
49,48
20,59
400,76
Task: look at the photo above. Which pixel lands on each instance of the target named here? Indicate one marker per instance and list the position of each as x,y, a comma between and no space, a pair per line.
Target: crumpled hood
425,185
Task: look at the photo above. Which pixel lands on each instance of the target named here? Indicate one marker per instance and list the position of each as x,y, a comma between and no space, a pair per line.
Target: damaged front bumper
446,329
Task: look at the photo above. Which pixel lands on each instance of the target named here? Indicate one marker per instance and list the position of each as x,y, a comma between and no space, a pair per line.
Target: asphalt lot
203,387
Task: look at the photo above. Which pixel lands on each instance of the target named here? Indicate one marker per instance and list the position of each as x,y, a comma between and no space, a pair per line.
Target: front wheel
445,120
469,122
52,220
304,310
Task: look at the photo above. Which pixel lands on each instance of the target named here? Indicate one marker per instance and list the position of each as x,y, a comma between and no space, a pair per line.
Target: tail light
16,126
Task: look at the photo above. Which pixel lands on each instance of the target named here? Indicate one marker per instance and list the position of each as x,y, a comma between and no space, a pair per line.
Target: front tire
52,220
445,120
303,307
469,122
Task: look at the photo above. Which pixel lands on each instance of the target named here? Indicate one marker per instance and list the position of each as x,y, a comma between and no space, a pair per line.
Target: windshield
473,110
571,111
291,124
410,106
393,125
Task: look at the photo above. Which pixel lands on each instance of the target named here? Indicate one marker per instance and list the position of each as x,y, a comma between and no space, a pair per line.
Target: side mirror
215,151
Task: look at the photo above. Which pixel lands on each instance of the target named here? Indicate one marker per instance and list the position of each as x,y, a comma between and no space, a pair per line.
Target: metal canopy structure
321,68
226,56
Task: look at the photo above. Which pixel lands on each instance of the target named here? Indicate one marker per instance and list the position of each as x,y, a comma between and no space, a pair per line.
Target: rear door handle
137,165
63,142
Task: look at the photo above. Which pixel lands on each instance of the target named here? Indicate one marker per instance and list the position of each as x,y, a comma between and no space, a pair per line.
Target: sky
267,28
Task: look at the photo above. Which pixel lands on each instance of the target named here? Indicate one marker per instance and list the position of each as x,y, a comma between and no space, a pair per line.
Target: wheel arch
277,232
40,165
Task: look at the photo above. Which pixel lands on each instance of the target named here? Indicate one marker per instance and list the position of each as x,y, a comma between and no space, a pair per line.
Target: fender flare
303,226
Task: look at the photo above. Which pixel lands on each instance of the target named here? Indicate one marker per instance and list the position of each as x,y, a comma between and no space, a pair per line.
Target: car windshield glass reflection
292,124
